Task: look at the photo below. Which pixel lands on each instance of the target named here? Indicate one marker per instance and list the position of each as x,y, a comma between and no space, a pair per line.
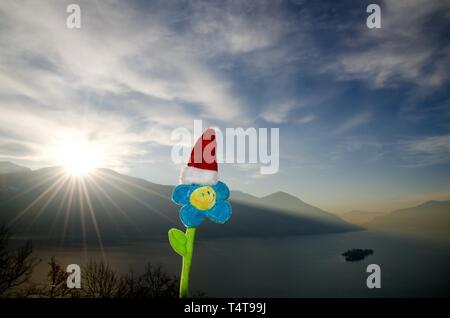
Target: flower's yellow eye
203,198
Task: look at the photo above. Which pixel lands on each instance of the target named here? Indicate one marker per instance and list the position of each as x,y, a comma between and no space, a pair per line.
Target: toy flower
201,196
202,201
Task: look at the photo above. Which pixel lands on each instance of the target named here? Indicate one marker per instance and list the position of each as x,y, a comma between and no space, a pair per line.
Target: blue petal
190,216
222,190
181,194
220,213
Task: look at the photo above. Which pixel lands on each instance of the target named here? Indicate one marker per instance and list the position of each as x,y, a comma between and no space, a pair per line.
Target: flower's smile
203,198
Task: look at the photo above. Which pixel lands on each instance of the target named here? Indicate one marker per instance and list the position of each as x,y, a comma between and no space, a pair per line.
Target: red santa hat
202,165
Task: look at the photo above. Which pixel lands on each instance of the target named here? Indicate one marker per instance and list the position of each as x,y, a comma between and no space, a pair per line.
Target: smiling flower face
203,198
200,201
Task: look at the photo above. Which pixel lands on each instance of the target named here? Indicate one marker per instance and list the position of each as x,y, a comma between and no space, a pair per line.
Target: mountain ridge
9,167
429,216
134,206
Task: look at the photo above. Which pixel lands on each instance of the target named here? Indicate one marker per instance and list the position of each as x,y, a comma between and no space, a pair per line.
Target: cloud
307,119
125,77
405,49
427,151
365,149
238,27
354,122
117,51
15,149
278,113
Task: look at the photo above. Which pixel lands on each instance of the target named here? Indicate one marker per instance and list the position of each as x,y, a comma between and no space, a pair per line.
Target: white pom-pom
190,175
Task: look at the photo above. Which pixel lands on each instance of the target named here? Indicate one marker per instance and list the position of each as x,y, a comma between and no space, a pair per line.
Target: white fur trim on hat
190,175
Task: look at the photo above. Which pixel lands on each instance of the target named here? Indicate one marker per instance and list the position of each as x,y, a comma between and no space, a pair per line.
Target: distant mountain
431,216
361,218
48,202
287,203
9,167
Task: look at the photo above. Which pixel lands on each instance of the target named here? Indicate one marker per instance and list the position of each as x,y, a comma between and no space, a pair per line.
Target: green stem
184,281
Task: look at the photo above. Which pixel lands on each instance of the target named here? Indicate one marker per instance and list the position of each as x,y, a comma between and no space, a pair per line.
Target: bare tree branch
15,266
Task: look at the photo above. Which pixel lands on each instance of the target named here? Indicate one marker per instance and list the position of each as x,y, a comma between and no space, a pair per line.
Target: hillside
9,167
431,216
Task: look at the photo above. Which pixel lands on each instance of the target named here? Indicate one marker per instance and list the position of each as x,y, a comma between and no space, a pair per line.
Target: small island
357,254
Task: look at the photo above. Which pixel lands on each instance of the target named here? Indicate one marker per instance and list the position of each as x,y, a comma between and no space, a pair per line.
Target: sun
80,159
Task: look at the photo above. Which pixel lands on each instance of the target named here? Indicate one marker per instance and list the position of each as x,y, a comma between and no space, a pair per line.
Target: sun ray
68,209
35,201
133,185
139,200
46,180
97,189
82,220
98,196
49,200
93,218
61,206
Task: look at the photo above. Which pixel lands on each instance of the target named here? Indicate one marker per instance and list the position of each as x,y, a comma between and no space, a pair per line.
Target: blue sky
364,114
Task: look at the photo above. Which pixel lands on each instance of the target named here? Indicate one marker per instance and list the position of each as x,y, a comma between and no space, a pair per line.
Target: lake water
307,266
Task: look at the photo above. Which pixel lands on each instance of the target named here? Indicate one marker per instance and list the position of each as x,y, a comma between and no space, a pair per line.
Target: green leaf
177,240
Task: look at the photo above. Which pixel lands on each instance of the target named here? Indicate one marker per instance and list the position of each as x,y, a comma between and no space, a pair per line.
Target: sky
363,114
